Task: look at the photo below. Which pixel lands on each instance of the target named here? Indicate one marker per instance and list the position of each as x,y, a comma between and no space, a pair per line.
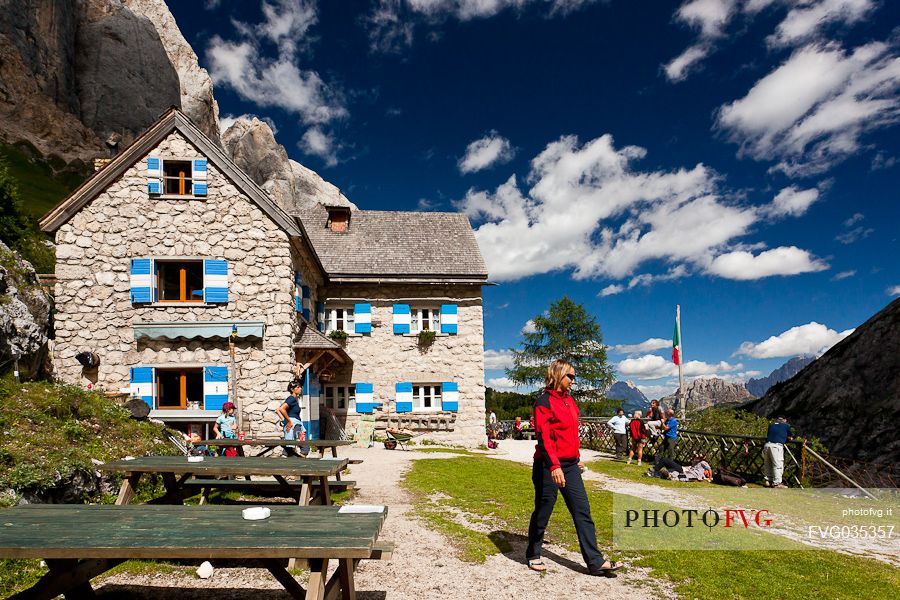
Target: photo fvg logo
728,518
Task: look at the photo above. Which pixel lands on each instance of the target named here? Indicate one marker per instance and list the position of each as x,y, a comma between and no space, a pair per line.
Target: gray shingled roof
312,339
396,244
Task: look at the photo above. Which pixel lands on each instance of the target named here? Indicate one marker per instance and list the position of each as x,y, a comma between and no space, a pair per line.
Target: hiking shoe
639,463
629,462
780,486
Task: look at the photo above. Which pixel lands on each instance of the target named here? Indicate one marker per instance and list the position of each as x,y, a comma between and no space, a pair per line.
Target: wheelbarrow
396,436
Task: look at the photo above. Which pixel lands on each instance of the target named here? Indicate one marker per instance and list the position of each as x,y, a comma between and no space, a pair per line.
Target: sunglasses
571,377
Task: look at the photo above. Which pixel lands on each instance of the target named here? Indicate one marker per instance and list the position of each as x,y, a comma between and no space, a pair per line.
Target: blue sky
739,157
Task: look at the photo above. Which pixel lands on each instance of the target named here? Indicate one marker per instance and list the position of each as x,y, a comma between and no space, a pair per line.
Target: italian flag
676,344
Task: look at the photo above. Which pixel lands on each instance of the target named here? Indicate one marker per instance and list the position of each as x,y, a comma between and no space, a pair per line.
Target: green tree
14,225
569,332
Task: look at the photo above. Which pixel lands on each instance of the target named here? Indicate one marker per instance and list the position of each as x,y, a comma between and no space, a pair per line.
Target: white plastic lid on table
256,513
361,508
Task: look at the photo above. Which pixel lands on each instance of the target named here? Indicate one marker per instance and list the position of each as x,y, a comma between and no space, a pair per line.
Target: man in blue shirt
618,424
670,435
773,452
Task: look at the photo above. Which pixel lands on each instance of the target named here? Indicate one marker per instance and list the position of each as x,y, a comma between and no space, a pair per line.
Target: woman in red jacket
557,467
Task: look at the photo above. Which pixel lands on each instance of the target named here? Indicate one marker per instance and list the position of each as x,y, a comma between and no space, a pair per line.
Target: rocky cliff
629,395
24,317
708,391
850,396
758,387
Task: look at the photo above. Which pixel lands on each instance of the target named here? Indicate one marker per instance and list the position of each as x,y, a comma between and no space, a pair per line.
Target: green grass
443,450
43,182
499,494
17,575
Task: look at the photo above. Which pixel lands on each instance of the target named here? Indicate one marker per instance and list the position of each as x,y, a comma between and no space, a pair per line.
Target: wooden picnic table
269,444
177,473
79,542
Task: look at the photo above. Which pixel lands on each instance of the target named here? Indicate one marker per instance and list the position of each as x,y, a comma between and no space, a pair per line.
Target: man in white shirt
618,424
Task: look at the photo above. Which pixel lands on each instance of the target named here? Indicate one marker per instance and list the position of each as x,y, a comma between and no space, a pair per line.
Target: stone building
193,287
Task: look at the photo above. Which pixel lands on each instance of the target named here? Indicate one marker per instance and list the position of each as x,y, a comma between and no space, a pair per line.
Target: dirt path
424,564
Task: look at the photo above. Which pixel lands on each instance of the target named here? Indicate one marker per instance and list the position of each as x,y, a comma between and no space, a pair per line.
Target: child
225,426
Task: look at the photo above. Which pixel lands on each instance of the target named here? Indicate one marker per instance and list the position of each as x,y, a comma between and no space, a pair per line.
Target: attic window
338,219
176,177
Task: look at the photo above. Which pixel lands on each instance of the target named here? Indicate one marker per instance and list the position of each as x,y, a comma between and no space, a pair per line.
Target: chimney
338,218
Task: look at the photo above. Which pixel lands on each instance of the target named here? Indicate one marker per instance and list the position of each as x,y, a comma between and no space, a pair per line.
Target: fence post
803,461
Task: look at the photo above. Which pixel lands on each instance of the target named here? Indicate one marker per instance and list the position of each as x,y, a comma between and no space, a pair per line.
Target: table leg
325,490
345,572
174,491
128,488
71,578
284,578
318,570
334,454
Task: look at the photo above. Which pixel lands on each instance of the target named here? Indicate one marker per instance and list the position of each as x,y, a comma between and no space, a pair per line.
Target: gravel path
423,566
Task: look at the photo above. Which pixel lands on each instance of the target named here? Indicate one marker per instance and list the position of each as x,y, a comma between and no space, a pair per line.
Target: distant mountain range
629,395
708,391
759,387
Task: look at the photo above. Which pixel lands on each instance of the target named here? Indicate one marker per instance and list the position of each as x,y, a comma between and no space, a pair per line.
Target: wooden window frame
183,295
182,387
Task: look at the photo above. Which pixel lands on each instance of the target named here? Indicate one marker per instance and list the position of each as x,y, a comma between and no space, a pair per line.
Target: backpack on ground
723,477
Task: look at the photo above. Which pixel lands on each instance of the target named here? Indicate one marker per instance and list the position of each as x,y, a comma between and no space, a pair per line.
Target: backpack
723,477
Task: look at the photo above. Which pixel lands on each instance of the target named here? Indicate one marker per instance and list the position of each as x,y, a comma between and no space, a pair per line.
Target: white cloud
648,345
807,20
709,16
893,291
529,327
792,201
611,290
843,275
652,366
392,23
225,122
503,384
856,218
785,260
492,149
812,111
319,143
812,338
853,234
679,67
498,359
655,392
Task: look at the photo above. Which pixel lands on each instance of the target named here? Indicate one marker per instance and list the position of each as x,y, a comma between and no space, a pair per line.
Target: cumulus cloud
498,359
492,149
587,208
225,122
504,384
893,291
648,345
679,67
652,366
785,260
808,19
812,111
529,327
317,142
655,392
843,275
611,290
812,338
392,23
792,202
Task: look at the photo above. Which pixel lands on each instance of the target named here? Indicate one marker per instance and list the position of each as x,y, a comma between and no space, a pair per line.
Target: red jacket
556,425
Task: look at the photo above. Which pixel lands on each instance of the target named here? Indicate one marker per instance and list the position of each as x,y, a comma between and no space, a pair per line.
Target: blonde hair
555,373
637,414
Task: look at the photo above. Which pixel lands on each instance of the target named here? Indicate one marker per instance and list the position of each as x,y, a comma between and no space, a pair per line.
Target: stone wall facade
384,358
93,306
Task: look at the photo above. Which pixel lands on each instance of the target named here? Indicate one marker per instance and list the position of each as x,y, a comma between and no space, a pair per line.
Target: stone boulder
708,391
24,316
124,76
251,145
850,396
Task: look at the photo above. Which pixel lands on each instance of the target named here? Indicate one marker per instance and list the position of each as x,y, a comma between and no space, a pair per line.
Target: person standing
492,420
557,468
670,434
777,436
618,424
290,415
638,434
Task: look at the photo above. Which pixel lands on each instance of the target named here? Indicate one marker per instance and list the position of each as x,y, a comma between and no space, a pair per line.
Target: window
339,319
179,388
424,319
426,396
177,177
340,398
179,281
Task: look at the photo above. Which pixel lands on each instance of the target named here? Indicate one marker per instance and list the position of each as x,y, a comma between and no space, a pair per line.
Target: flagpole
681,399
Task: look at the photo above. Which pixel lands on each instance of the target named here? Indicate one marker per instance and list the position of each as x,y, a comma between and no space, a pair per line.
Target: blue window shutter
362,318
365,398
298,291
320,316
215,281
154,175
198,176
215,387
449,319
401,318
141,280
142,383
404,397
450,396
306,305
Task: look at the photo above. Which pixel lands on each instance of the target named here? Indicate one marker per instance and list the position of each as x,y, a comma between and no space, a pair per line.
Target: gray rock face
850,396
706,392
24,315
124,77
252,146
631,397
197,99
758,387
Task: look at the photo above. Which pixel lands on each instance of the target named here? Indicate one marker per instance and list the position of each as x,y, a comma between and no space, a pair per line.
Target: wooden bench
85,541
261,487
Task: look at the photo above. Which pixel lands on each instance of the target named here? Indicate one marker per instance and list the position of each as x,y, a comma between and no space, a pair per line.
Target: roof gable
171,120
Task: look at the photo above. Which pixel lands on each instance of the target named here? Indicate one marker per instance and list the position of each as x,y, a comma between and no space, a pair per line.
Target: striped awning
190,330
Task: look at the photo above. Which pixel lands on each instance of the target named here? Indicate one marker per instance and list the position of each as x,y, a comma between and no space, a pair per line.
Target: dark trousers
668,449
575,496
621,444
